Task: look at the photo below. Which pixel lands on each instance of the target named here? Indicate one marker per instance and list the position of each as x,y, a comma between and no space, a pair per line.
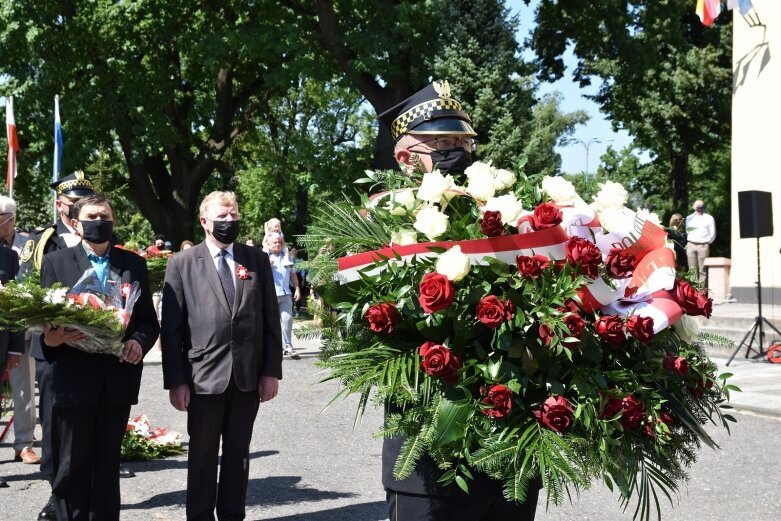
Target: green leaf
451,420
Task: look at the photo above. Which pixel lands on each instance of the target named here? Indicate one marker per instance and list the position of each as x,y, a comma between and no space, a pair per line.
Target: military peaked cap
73,185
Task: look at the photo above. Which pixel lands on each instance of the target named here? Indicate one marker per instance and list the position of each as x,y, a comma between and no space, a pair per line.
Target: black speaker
755,211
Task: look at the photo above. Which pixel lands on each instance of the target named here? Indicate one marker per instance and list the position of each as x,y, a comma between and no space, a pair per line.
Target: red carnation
491,224
619,263
585,254
532,267
492,312
382,317
610,328
633,414
440,362
642,328
555,413
546,215
675,364
691,301
500,399
436,292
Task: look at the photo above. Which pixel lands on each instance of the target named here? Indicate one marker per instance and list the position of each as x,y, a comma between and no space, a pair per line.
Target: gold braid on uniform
41,247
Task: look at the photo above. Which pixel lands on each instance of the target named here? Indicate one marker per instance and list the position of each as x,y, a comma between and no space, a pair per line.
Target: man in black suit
222,354
11,344
430,129
92,393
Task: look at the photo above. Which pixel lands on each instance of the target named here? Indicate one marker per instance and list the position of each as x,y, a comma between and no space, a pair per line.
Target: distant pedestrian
700,234
677,235
284,279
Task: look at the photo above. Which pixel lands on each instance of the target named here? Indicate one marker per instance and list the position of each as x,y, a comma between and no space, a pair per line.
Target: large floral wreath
532,335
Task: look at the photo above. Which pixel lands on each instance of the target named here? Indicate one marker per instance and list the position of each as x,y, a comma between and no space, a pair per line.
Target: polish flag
13,144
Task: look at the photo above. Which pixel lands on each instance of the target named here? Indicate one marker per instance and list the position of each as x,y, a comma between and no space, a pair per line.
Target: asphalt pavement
310,462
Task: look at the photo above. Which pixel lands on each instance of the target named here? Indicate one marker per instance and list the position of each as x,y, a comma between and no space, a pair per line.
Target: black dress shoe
49,512
3,483
125,472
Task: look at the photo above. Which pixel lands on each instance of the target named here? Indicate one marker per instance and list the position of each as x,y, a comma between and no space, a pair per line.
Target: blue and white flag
744,5
57,162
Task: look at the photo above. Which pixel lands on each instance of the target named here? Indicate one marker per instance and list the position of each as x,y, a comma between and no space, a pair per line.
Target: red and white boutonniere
124,290
242,272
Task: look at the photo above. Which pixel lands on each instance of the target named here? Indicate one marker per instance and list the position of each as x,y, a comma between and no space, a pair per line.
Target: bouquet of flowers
101,312
155,265
141,442
531,334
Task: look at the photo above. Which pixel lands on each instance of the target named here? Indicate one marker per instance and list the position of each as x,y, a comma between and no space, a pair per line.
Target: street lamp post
587,146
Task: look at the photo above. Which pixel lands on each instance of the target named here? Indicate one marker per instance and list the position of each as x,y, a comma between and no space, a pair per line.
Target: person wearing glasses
431,130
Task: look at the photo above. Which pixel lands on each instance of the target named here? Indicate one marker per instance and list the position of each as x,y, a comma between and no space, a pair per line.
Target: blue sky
573,157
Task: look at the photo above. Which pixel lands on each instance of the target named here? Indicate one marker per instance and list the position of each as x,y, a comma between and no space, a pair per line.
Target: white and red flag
13,144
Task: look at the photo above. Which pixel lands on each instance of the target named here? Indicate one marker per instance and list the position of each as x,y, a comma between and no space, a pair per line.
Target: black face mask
225,231
451,161
97,232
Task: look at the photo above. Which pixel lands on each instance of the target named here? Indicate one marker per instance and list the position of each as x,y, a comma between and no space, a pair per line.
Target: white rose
434,185
611,195
614,219
479,168
687,328
648,215
508,205
431,222
401,202
561,191
56,296
453,264
481,185
404,237
503,179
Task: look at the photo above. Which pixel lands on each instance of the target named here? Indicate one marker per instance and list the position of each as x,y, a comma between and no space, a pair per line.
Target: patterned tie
226,278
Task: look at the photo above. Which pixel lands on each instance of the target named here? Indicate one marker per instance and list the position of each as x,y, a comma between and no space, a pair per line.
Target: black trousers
43,373
230,416
461,507
86,443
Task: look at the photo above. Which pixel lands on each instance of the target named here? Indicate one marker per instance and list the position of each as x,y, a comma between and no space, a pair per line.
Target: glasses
450,142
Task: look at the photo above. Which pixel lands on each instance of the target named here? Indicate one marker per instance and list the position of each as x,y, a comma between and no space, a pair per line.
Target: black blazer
203,341
78,377
9,267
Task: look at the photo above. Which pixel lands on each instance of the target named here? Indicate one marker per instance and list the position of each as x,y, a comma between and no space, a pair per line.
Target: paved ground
310,465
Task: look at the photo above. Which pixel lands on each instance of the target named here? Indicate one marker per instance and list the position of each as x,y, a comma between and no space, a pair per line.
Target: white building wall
756,144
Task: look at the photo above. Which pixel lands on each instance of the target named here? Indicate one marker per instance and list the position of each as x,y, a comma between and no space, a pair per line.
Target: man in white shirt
701,232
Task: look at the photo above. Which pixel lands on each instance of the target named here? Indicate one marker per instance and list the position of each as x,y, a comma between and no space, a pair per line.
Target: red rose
585,254
675,364
619,263
546,335
546,215
633,414
500,398
555,413
650,427
691,301
570,306
610,328
531,267
613,406
575,324
642,328
382,317
440,362
491,224
492,312
436,292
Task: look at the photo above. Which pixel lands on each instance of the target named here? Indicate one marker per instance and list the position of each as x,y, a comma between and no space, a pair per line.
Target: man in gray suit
222,354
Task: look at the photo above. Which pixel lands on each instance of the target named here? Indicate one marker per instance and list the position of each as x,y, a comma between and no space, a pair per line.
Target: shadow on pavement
375,511
276,490
179,462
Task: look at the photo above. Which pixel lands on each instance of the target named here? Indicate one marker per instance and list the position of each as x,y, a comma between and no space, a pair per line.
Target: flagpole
57,159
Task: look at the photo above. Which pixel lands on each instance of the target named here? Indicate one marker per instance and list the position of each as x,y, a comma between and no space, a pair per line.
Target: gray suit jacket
204,343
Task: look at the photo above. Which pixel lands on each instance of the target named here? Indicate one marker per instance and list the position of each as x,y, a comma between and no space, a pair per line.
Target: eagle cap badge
442,88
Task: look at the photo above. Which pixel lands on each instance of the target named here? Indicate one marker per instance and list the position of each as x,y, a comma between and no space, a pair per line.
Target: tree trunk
679,181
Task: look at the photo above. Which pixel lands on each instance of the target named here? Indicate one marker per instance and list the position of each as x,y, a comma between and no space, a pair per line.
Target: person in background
677,235
186,245
700,234
431,129
158,246
301,276
21,376
284,279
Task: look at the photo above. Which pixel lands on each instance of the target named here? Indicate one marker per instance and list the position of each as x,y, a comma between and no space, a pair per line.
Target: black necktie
226,278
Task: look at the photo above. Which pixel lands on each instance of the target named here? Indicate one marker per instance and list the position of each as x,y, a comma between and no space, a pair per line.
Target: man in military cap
431,130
